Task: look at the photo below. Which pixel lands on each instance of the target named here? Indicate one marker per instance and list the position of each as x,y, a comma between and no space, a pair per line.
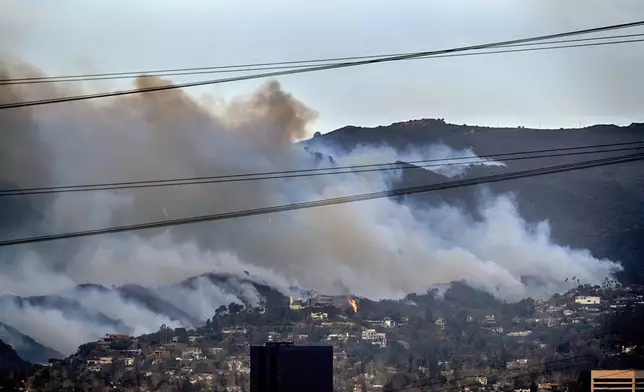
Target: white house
389,323
319,316
375,338
588,300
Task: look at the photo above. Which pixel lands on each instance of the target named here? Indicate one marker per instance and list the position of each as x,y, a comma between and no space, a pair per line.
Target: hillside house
520,333
375,338
517,364
234,331
296,303
588,300
319,316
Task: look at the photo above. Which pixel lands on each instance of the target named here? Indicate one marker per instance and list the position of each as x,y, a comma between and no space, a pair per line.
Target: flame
354,305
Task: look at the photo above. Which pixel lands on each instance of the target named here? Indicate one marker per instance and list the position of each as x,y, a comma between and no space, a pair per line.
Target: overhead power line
281,64
333,201
353,169
321,67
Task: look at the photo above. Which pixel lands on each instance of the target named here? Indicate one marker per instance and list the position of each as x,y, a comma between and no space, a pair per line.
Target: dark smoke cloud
380,248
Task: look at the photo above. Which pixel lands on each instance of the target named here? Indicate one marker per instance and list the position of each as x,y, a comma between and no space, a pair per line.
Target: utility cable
269,66
403,165
333,201
319,68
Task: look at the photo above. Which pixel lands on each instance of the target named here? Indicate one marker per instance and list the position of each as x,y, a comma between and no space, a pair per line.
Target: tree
234,308
182,334
220,311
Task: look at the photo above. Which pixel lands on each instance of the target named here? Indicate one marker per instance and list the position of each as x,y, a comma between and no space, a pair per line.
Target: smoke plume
377,249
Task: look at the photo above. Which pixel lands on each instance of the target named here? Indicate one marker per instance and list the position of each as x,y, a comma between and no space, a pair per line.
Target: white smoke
378,249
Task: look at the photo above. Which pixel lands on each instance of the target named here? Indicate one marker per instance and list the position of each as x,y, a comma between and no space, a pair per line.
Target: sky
564,88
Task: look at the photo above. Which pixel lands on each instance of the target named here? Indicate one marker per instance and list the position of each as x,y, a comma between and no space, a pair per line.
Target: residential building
587,300
321,301
105,360
296,303
375,338
234,330
389,323
520,333
315,316
517,364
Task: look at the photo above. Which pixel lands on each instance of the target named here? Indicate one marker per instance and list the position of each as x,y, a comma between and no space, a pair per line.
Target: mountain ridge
564,200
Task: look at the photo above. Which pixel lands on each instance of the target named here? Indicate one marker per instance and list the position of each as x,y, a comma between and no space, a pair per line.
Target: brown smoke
147,136
285,116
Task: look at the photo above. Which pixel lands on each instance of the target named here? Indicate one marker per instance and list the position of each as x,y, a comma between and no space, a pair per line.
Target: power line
409,165
271,65
321,67
288,71
333,201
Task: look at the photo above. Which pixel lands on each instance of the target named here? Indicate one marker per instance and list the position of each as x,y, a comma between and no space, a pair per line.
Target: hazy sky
552,88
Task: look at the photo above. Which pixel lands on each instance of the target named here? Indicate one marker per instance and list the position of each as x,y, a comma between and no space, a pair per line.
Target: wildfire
354,305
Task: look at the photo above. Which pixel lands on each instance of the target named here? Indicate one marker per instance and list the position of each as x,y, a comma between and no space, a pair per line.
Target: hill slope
596,209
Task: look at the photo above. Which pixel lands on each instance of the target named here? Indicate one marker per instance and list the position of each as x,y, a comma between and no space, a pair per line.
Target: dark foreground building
284,367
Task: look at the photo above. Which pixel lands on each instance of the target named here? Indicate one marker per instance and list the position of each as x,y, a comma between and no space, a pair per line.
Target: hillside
88,305
26,347
596,209
10,360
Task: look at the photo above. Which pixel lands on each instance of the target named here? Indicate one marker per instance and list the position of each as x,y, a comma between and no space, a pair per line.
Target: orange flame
354,305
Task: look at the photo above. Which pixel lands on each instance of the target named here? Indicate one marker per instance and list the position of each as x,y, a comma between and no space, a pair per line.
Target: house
105,360
160,353
587,300
193,338
375,338
296,303
321,301
319,316
191,353
338,336
234,330
517,364
520,333
201,377
117,337
389,323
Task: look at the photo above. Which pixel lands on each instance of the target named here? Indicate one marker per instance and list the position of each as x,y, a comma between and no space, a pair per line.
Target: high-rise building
617,380
285,367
